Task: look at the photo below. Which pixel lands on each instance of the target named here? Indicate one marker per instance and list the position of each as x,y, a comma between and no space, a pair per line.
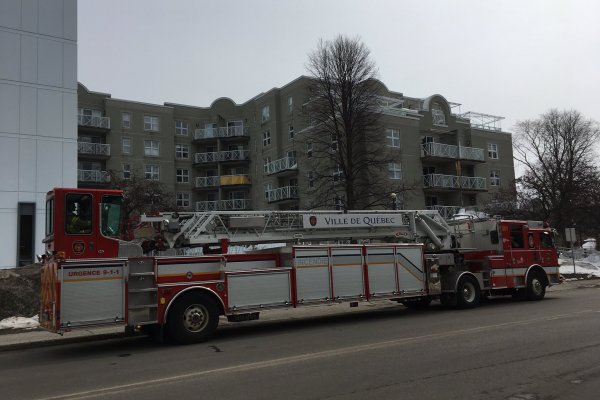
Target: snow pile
20,323
589,265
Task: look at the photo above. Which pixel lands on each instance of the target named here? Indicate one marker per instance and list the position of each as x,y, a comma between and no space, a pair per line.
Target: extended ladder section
252,227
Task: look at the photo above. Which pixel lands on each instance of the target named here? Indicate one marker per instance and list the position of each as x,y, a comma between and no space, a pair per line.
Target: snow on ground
19,323
589,265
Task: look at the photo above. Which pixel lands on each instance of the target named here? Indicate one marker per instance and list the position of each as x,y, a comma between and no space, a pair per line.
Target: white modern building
38,118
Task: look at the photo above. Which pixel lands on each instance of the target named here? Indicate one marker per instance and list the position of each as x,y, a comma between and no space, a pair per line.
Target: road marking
89,394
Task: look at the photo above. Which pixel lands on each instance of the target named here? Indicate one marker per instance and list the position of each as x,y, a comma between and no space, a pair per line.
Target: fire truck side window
110,219
78,218
516,236
546,240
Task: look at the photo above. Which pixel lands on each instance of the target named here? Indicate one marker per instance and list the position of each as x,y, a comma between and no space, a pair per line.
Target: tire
417,303
468,294
536,286
193,318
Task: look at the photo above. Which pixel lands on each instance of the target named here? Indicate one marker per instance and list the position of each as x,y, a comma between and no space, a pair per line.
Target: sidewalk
24,339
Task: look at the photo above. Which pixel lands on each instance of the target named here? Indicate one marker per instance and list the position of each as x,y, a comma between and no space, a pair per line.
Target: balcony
438,181
231,180
446,212
232,204
286,164
92,176
221,132
220,156
93,121
282,193
207,181
93,149
441,150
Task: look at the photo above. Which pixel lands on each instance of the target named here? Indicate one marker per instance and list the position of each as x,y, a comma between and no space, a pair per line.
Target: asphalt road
502,350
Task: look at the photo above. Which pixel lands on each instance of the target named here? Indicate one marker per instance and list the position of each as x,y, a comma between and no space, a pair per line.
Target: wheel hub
195,318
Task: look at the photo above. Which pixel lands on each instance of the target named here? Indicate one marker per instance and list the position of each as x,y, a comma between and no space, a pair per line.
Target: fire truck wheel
468,294
536,288
193,318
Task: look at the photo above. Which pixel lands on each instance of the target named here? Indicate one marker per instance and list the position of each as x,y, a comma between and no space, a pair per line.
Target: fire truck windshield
110,217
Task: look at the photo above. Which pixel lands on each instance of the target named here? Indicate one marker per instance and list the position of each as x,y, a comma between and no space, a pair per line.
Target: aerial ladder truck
253,261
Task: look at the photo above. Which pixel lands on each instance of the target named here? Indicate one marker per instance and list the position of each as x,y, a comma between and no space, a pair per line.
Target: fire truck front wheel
468,294
193,318
536,286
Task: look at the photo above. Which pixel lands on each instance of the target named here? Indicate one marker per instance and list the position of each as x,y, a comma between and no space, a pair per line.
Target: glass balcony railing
219,156
282,193
221,132
92,175
227,180
454,182
98,149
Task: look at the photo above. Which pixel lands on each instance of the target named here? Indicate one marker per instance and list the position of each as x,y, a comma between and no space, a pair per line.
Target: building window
394,171
309,150
337,173
268,188
392,137
437,114
152,172
333,142
152,148
311,179
493,151
182,151
183,200
126,171
494,178
126,145
126,120
151,123
291,131
338,202
265,114
266,138
290,104
182,176
181,128
266,162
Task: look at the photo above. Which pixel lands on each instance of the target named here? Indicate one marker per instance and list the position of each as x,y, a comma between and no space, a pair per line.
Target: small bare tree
143,195
347,155
562,175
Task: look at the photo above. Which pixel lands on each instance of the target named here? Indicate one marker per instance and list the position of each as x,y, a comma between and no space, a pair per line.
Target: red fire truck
259,260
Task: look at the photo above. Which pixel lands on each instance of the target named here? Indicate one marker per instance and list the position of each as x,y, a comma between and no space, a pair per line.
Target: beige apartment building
249,156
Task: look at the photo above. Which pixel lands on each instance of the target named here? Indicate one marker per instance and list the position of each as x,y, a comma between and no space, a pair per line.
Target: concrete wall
38,110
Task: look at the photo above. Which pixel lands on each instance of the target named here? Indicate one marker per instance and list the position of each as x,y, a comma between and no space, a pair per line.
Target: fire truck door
516,265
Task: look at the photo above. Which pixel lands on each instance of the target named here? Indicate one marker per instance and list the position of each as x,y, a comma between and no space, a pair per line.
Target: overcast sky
515,59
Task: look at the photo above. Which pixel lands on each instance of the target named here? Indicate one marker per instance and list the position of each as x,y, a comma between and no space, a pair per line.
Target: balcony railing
221,132
98,149
454,182
446,212
94,122
207,181
227,180
282,193
451,151
283,164
218,156
92,175
232,204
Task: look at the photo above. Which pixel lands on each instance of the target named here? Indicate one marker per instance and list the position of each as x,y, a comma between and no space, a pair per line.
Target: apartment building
249,156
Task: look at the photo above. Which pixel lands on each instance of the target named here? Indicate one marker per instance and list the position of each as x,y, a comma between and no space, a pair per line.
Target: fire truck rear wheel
536,287
193,318
468,294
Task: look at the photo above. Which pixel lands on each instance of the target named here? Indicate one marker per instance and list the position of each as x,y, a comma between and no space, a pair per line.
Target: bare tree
562,176
348,158
143,195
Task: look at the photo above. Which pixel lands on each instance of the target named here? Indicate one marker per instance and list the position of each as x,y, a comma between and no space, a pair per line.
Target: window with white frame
265,114
394,170
493,151
392,137
126,120
126,145
152,148
151,123
182,175
291,131
437,114
126,171
183,200
494,177
309,150
291,155
152,172
181,128
337,173
266,138
268,188
182,151
266,162
290,104
311,179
